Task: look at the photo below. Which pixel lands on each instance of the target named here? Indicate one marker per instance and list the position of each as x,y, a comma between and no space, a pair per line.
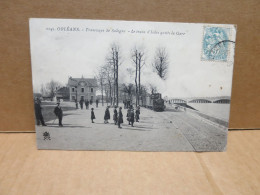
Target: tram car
155,102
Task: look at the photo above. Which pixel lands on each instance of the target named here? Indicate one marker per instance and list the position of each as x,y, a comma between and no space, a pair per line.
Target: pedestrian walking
137,114
92,115
86,103
59,113
81,103
38,113
128,115
120,117
132,117
76,104
107,115
115,115
97,103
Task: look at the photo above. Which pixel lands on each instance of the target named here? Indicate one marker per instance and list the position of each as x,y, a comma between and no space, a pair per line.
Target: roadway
170,130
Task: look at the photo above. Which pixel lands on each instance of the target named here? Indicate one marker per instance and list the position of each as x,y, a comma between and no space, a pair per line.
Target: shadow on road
66,125
172,110
104,123
133,128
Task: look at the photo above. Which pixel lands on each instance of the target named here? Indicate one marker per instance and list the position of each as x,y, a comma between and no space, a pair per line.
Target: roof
63,90
89,81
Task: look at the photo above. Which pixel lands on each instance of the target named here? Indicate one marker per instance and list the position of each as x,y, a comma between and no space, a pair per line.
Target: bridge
218,100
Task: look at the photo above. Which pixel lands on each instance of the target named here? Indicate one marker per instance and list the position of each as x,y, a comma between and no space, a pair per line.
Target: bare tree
161,64
52,87
114,59
143,94
43,90
106,94
135,60
101,82
139,62
108,81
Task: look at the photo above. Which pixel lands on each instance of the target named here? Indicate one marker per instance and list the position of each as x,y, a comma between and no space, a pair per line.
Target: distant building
63,93
82,88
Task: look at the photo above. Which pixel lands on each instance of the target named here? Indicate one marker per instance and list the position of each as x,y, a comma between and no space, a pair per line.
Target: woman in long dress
107,115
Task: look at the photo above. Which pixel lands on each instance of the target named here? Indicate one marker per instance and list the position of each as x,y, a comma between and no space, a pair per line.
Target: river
220,111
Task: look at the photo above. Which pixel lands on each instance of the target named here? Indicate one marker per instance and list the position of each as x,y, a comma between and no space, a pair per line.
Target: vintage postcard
129,85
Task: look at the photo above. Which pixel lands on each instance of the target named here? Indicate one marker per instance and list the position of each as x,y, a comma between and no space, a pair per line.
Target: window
73,89
73,97
82,89
92,97
91,90
82,97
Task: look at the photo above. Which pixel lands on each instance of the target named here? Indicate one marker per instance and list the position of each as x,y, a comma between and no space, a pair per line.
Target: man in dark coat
132,117
107,115
120,117
38,112
58,112
96,102
86,103
128,115
115,116
81,103
92,115
137,113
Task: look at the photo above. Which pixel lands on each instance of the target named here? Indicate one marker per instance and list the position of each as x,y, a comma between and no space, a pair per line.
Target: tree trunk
139,83
102,96
114,90
117,101
136,68
110,92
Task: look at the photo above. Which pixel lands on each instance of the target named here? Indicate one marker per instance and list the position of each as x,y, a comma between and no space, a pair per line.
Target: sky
61,48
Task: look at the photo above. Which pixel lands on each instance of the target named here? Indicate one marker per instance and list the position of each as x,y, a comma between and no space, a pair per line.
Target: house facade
82,88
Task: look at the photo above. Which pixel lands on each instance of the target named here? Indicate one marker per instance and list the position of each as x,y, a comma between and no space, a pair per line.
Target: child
92,115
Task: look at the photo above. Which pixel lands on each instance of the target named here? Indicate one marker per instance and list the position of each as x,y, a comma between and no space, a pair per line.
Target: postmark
215,45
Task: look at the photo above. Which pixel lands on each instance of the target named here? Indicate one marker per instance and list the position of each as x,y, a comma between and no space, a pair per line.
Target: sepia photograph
131,85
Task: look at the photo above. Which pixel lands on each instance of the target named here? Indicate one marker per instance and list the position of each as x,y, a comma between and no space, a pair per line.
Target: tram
154,102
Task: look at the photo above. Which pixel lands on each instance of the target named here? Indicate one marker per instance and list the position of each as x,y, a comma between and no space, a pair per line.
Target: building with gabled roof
63,93
82,88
